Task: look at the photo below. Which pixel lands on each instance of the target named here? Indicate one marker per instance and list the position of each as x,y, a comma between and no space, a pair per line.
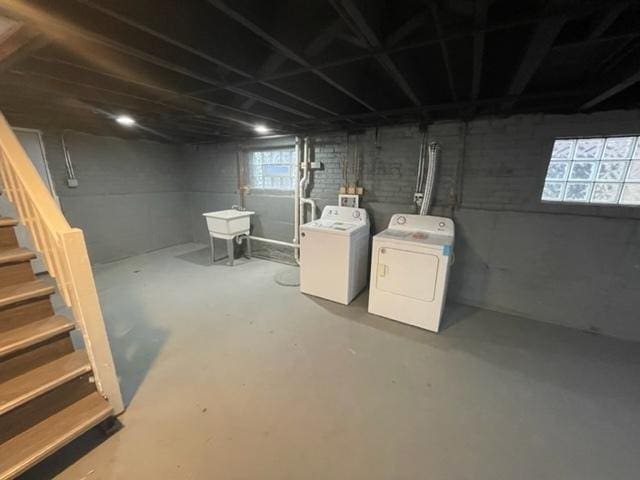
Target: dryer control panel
345,214
424,223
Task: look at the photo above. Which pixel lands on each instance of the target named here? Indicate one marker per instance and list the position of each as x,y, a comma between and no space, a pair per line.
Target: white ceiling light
125,120
261,129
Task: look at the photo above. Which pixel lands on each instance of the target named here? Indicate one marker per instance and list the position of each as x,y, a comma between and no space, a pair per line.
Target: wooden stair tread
25,450
25,387
24,291
33,333
15,255
8,222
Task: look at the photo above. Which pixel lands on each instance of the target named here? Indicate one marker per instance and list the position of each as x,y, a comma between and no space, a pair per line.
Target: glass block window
272,169
604,171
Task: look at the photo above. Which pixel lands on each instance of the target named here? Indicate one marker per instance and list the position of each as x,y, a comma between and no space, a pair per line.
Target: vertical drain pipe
296,200
304,183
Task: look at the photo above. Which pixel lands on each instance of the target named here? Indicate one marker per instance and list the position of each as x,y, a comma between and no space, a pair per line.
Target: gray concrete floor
228,375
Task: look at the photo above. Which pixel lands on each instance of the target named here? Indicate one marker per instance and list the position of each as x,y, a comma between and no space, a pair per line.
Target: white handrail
65,255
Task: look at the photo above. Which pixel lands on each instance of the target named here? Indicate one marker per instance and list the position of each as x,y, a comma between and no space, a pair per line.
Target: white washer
410,264
334,254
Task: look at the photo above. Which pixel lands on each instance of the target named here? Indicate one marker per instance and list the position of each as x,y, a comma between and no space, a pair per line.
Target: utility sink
228,223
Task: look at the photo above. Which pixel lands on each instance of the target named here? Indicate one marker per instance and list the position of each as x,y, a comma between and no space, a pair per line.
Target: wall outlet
72,182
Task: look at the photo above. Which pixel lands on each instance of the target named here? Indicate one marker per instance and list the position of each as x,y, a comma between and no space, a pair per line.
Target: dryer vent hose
429,188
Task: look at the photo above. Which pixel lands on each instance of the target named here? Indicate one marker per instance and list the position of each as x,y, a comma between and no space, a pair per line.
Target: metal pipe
420,178
275,242
434,151
71,175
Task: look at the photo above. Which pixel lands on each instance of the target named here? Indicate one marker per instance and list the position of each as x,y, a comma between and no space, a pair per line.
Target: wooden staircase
47,393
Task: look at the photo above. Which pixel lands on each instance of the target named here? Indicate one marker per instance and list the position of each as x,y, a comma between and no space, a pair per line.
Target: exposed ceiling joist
65,102
445,51
407,28
612,90
209,58
24,51
623,37
356,21
319,43
464,105
460,32
607,20
60,30
479,23
181,77
35,80
197,102
539,45
279,46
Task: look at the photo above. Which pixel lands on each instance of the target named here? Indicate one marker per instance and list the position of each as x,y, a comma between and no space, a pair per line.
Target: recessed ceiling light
262,129
125,120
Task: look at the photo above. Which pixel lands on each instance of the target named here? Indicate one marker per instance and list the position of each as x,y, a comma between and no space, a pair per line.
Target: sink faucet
238,207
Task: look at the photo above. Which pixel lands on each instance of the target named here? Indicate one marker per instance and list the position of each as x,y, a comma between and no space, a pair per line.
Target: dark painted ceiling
202,70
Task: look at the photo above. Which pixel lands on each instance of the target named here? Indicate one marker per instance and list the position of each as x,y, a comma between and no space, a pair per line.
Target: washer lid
336,227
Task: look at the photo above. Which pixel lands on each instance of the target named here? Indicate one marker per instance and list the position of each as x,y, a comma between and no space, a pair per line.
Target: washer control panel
345,214
424,223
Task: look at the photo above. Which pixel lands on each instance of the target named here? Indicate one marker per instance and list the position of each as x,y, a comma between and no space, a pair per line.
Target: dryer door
406,273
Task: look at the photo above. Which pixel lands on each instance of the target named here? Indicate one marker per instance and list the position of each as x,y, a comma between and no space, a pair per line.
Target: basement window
601,171
272,169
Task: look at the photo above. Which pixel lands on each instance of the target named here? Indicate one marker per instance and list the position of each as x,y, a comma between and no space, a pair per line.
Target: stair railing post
88,314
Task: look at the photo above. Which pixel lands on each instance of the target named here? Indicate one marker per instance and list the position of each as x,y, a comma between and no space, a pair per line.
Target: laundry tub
227,225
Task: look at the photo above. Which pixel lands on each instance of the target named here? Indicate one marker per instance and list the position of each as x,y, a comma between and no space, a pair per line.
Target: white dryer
410,264
334,254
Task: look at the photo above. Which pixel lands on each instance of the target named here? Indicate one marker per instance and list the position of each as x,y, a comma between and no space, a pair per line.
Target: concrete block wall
572,265
131,198
213,177
389,162
567,264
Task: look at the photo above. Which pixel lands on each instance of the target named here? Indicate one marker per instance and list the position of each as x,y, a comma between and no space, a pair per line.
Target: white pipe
312,204
434,150
275,242
296,200
304,183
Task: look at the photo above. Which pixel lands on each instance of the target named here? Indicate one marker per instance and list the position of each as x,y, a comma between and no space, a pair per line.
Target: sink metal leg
212,249
230,251
248,240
